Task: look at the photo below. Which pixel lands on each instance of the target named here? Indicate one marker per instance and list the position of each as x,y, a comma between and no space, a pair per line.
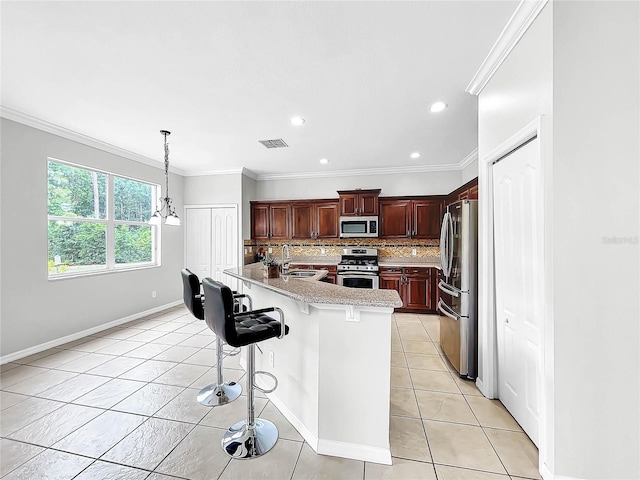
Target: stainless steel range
358,268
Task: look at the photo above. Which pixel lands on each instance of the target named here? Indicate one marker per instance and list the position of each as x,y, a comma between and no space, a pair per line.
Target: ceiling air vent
277,143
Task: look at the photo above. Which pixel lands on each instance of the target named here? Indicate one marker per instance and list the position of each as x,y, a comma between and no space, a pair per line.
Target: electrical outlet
323,251
414,252
271,358
270,250
153,294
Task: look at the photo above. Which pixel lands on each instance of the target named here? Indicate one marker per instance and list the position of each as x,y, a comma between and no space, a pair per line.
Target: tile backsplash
400,248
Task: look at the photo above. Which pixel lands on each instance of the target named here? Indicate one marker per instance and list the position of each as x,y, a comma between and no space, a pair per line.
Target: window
98,222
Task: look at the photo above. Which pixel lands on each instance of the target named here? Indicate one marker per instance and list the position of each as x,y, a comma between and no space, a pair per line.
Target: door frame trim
487,330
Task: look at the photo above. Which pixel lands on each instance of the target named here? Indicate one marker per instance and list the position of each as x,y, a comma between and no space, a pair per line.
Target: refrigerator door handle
450,241
446,288
444,244
447,311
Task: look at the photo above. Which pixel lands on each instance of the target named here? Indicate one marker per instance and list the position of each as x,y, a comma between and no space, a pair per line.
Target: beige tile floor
121,405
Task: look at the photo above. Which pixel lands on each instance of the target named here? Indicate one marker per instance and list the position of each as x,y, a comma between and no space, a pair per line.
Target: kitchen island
334,367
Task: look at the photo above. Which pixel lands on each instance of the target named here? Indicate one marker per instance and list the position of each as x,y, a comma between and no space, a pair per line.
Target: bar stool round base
216,395
244,443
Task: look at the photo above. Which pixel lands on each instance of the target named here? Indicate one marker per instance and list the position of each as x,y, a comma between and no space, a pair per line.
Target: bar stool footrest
263,390
230,353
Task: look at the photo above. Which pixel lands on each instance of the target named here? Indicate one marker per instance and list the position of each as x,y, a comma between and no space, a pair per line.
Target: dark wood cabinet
468,191
395,218
270,221
359,202
301,220
416,286
415,217
419,291
426,218
332,276
314,219
260,221
325,217
391,278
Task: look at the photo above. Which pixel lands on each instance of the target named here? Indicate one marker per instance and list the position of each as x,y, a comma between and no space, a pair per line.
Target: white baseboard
75,336
309,437
548,475
354,451
330,447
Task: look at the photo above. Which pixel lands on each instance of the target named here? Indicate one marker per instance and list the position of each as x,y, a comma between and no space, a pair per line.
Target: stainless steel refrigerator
458,286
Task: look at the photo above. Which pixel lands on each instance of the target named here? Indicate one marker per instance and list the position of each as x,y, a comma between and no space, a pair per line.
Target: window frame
110,223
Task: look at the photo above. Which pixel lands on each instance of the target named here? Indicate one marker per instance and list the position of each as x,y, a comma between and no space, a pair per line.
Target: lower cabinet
332,276
416,286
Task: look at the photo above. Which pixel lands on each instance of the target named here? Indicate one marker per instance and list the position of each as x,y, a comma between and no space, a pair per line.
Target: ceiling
223,75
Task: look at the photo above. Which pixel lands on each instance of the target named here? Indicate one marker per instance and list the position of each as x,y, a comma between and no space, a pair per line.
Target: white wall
213,189
429,183
519,92
470,172
595,194
36,310
578,65
249,186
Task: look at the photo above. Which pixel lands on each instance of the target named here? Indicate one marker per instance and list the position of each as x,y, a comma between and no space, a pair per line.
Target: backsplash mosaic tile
401,248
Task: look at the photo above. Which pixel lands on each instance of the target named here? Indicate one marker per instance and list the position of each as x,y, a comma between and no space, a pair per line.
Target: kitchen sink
302,273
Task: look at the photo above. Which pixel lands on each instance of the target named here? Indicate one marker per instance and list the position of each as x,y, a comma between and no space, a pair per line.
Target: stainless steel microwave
353,227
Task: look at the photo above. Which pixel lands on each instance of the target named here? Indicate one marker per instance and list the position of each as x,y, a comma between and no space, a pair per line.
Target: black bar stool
219,393
252,437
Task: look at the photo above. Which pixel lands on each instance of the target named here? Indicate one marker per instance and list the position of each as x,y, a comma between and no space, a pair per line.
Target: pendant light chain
166,210
166,162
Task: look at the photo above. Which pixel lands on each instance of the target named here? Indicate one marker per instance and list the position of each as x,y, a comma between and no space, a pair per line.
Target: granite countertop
309,290
382,261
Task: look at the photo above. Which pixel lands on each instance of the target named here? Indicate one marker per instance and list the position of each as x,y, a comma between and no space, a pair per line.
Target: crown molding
358,172
342,173
28,120
250,173
520,21
45,126
203,173
468,160
231,171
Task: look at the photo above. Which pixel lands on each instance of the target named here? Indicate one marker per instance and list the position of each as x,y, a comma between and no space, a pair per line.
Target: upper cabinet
468,191
317,219
416,217
359,202
412,217
269,221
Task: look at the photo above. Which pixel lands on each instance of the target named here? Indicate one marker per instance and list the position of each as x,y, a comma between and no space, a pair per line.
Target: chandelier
165,210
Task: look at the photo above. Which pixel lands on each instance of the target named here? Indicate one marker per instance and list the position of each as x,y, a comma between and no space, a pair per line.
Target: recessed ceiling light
438,107
297,121
324,161
415,155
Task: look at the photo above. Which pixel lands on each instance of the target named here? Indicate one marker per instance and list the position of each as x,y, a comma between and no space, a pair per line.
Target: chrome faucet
286,258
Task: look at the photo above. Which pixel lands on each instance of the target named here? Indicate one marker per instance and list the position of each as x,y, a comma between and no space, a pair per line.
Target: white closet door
518,243
212,242
198,241
224,234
